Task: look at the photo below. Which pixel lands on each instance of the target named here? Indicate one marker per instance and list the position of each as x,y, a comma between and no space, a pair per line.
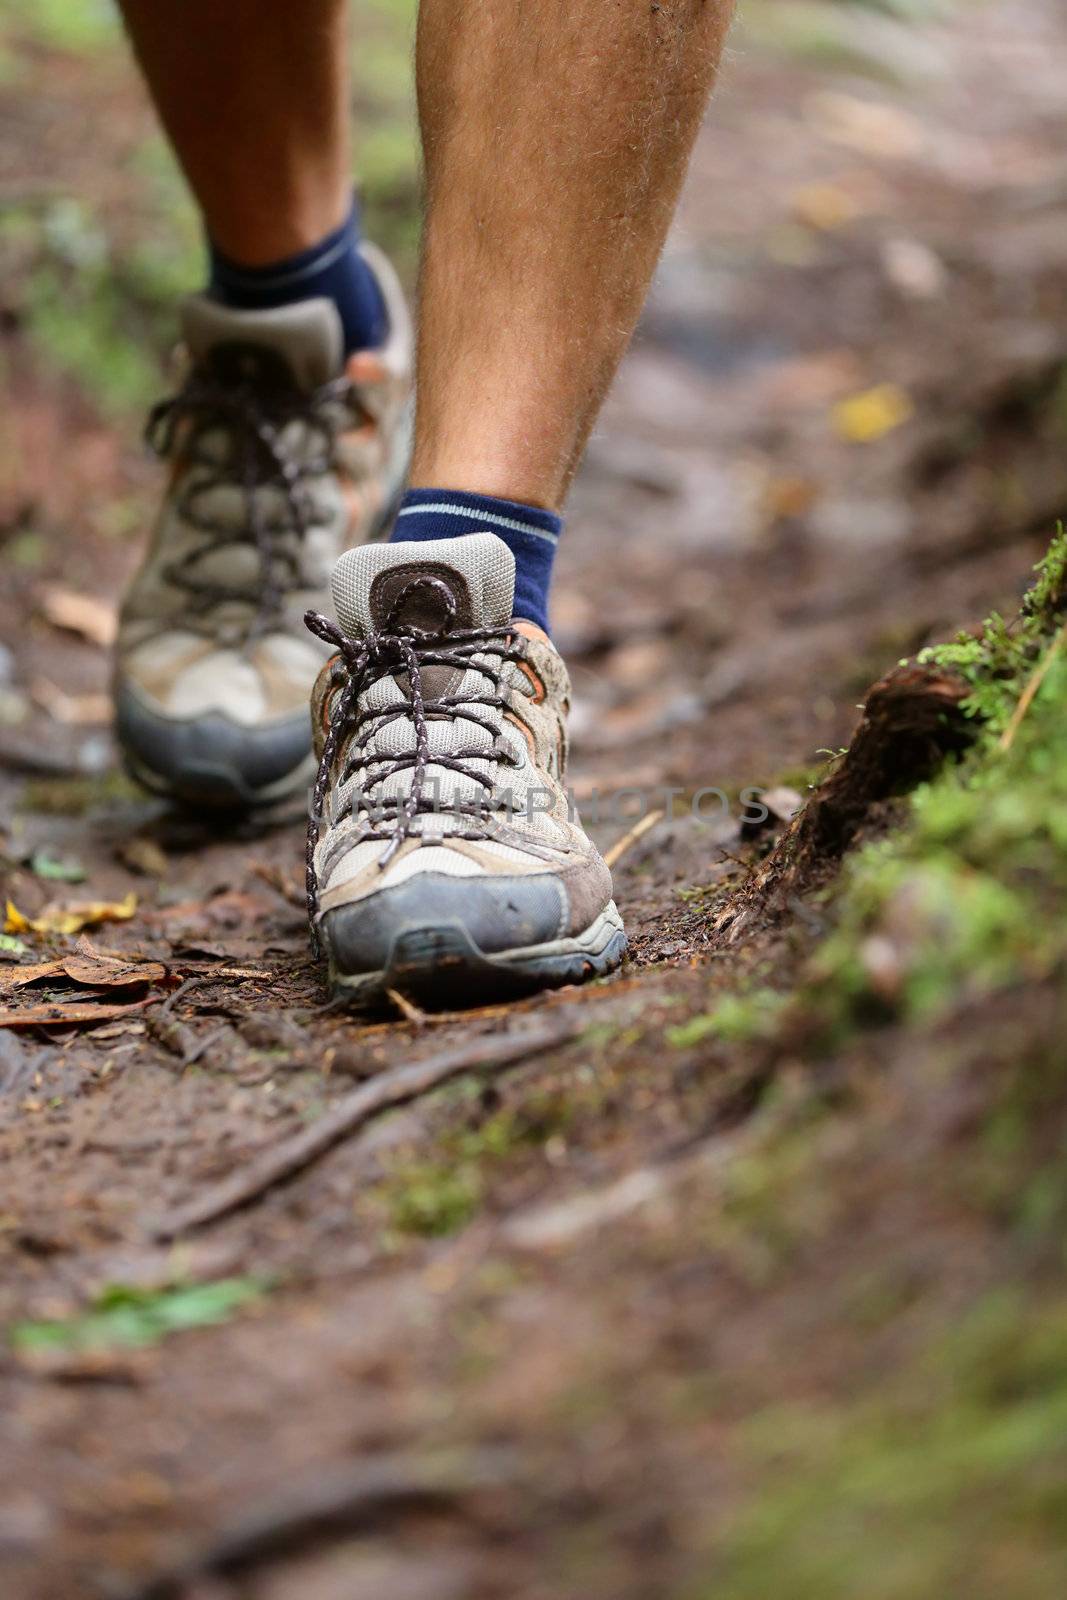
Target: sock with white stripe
334,269
530,533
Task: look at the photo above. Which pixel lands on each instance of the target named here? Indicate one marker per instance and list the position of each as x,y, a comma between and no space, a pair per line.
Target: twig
644,825
1026,699
407,1008
392,1088
339,1503
180,993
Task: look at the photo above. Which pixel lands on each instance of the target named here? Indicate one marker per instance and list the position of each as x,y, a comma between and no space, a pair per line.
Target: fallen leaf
56,868
74,710
824,206
88,971
70,1014
121,1030
867,417
70,918
143,856
129,1316
869,126
101,973
786,499
19,977
914,269
10,946
85,614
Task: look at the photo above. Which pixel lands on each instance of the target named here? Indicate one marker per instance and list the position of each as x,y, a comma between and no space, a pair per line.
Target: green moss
432,1198
971,894
439,1194
737,1019
951,1481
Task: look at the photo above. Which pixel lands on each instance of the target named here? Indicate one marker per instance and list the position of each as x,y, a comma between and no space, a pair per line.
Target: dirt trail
481,1356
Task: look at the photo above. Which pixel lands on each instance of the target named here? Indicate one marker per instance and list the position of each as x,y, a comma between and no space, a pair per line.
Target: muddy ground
504,1340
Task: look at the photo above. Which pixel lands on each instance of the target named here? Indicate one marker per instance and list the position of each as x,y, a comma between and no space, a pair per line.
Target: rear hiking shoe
282,455
442,859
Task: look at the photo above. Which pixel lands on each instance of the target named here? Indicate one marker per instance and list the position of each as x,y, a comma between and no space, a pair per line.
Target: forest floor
740,1274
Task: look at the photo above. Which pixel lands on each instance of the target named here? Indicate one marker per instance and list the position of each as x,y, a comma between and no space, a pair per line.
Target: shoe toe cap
495,914
210,759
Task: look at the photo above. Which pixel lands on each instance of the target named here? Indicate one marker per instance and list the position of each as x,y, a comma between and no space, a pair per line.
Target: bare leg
557,134
254,97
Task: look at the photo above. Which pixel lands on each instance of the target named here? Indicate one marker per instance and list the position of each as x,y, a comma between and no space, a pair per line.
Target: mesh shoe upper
282,455
442,736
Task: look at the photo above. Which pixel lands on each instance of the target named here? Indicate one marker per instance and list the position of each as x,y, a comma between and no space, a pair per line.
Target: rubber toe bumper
497,914
211,761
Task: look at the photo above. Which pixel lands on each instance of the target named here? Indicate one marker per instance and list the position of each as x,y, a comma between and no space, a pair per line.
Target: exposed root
912,720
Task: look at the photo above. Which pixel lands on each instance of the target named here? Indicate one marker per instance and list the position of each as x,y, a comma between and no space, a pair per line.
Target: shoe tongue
305,338
476,571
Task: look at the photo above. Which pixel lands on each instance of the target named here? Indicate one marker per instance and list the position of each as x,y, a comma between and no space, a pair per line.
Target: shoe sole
224,793
440,965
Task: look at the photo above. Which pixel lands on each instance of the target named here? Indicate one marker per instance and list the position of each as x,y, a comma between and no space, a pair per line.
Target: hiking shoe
282,455
442,859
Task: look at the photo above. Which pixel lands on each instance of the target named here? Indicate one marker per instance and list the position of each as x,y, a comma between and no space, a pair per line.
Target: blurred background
836,418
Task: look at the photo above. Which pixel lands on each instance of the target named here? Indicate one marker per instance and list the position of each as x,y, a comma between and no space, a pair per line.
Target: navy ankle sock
530,533
334,268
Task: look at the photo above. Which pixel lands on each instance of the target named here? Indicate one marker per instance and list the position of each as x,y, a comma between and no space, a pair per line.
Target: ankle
530,532
333,267
512,463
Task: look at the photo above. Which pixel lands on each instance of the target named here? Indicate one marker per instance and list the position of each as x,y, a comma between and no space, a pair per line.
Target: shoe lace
253,412
353,724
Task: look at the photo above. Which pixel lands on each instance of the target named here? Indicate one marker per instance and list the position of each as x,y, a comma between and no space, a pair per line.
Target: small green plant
439,1195
432,1199
123,1316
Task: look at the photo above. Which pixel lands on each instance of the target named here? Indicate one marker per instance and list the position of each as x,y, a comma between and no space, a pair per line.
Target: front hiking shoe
282,454
442,860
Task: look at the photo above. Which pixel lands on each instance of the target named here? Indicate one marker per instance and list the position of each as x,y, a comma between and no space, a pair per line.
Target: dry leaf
70,918
74,710
864,418
90,971
914,269
870,126
824,206
144,856
786,499
94,972
19,977
85,614
75,1013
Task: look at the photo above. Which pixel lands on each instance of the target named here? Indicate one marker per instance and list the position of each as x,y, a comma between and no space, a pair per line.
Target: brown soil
517,1409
